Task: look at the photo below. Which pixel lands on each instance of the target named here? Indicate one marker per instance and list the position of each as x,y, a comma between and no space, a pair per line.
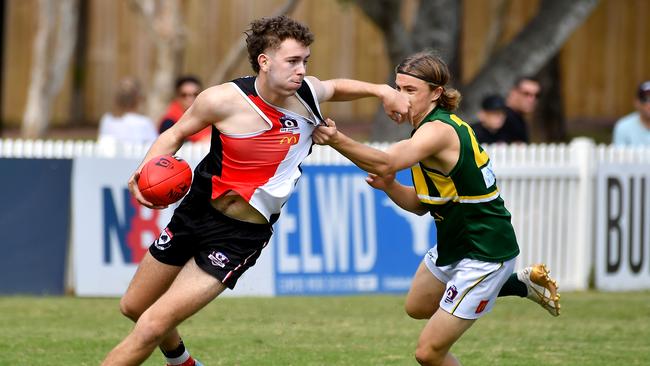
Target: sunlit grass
594,329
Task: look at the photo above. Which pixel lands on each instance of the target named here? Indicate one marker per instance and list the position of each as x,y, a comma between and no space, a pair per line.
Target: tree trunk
529,51
434,30
52,53
431,30
164,23
385,15
3,6
549,124
77,100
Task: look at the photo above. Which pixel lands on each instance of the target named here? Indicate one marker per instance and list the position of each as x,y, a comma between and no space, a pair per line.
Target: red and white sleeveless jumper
262,167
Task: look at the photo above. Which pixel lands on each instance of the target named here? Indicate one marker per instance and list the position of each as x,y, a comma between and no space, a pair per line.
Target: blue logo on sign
126,227
338,235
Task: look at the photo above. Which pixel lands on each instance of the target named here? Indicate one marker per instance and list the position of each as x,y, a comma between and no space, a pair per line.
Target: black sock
513,287
178,352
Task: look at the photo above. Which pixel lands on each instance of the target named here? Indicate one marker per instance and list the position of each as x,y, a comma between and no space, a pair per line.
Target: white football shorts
472,286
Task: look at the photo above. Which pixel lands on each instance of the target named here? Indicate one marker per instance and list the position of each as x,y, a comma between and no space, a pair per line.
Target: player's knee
130,310
429,353
149,332
417,311
426,355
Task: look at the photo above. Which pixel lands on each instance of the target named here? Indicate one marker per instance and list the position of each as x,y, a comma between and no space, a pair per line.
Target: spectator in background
491,117
634,129
187,88
124,123
521,102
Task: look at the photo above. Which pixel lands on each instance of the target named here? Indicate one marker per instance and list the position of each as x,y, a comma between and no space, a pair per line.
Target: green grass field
594,329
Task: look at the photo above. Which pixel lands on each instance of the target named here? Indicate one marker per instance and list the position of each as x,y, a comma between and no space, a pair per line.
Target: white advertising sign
623,227
112,232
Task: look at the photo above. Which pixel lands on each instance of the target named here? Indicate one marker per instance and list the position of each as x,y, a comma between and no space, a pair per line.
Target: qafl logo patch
218,259
163,241
451,294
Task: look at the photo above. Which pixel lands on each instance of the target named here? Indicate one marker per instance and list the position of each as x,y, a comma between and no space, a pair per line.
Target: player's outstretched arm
403,196
381,165
429,140
365,157
396,105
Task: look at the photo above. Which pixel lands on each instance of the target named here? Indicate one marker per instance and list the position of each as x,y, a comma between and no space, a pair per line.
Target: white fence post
583,154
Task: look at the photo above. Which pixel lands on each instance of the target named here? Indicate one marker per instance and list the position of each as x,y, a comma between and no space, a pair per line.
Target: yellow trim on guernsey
418,180
480,157
462,199
444,185
446,188
479,199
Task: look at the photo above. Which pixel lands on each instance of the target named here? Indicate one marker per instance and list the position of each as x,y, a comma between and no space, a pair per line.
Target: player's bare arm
403,196
428,142
207,108
396,105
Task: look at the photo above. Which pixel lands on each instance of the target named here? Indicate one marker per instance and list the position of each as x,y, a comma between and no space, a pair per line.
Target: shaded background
597,70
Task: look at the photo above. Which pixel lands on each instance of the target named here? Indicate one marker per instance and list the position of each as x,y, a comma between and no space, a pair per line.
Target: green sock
513,287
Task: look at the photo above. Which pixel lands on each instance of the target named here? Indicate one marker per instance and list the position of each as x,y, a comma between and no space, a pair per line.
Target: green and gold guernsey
471,219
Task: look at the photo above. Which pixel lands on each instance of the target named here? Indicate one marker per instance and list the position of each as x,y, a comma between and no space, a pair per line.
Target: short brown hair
268,33
432,69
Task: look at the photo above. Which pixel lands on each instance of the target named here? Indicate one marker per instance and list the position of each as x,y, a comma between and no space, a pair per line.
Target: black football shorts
222,246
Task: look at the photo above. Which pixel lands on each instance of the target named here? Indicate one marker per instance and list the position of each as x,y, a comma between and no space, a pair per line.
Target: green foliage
594,329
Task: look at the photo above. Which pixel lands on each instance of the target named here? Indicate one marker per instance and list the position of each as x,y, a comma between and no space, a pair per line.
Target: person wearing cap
634,128
491,117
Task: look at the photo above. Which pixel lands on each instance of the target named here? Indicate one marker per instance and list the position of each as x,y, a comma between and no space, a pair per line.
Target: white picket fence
548,188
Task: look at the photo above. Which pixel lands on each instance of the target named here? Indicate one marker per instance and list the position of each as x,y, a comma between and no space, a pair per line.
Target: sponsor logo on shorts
481,306
452,292
218,259
163,241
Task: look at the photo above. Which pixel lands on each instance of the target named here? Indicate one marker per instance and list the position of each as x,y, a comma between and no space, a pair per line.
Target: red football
165,179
